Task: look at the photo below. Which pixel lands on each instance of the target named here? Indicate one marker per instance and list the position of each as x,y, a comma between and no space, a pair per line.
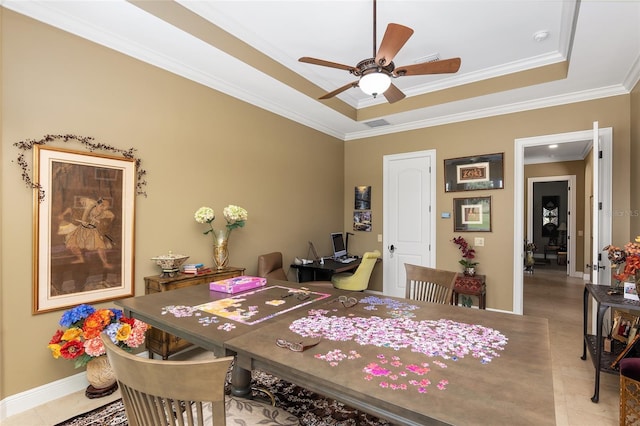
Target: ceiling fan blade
443,66
394,38
324,63
393,94
340,90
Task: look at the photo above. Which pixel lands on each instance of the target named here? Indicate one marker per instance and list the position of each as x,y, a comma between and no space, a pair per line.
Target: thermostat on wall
445,215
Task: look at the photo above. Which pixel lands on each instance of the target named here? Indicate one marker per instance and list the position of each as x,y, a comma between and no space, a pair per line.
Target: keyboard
346,259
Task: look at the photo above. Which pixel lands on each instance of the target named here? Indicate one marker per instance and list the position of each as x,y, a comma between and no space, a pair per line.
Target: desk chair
359,280
161,393
429,284
270,266
629,391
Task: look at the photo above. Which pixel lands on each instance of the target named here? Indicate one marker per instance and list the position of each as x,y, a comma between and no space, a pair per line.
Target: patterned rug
312,409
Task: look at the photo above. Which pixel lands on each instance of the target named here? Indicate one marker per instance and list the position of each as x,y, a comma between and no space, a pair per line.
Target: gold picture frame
625,326
83,228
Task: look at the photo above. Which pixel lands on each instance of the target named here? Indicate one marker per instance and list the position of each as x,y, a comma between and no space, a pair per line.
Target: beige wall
363,166
201,147
198,146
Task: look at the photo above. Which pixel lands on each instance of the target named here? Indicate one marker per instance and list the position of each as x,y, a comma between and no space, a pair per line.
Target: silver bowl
170,262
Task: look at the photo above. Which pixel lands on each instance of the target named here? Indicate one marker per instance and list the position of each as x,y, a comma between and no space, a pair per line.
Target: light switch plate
379,238
479,242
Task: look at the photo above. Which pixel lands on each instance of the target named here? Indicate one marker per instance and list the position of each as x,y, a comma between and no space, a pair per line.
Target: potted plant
468,254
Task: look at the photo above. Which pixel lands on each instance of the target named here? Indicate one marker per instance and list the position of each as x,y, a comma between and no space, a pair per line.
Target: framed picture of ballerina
83,228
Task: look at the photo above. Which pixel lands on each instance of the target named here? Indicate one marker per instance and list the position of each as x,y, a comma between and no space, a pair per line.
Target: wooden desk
465,392
322,272
603,301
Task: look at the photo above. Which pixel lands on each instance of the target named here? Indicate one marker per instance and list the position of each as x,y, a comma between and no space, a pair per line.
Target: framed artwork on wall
362,208
83,228
472,214
473,173
362,198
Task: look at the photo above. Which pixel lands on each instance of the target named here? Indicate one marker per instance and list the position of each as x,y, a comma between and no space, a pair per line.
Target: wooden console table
163,343
471,286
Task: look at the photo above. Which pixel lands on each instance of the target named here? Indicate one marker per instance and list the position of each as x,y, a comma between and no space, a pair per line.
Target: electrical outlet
379,238
479,242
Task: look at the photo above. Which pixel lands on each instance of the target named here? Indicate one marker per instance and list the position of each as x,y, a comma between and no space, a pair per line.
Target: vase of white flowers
235,216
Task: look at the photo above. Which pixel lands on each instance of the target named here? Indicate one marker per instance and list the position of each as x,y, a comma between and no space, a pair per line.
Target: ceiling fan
376,73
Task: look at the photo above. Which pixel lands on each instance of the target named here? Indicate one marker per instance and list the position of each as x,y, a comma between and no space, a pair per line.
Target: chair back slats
429,284
170,393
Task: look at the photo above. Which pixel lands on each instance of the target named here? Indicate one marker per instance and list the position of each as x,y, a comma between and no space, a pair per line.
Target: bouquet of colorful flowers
84,324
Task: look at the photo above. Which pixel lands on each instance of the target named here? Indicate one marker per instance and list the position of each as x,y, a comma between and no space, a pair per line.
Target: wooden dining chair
429,284
162,393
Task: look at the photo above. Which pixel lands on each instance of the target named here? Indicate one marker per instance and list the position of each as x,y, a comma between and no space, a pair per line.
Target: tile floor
548,294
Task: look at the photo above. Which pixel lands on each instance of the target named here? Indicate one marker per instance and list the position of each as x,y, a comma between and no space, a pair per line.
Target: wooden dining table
410,362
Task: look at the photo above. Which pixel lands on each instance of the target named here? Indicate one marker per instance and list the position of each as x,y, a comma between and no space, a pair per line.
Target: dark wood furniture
562,257
594,343
471,286
165,344
472,384
317,271
550,250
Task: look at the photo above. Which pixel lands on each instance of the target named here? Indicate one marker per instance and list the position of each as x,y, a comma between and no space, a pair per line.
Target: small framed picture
624,326
362,198
473,173
472,214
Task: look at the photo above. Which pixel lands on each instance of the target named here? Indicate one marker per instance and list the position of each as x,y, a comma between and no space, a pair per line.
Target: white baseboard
29,399
23,401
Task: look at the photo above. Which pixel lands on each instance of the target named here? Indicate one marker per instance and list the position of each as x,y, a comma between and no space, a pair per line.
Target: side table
470,286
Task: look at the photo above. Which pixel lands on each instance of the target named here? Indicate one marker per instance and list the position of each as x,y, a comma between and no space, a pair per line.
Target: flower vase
220,247
616,284
101,378
470,271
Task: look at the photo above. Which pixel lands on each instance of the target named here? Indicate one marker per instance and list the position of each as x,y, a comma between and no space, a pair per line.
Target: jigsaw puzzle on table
259,305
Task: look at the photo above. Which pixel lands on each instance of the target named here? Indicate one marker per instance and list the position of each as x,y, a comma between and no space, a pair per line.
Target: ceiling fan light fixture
374,83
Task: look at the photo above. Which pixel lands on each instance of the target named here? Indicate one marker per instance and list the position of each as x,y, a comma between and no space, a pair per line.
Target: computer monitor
337,241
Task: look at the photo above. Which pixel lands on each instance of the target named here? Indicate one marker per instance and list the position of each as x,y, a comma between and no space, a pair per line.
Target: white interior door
409,221
601,223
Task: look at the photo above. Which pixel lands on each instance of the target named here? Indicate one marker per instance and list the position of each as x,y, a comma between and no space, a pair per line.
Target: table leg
585,311
601,310
240,382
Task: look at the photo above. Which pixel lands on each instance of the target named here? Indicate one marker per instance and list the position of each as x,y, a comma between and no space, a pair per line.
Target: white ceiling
600,41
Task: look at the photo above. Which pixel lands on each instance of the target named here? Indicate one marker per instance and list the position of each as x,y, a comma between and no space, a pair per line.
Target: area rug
311,408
